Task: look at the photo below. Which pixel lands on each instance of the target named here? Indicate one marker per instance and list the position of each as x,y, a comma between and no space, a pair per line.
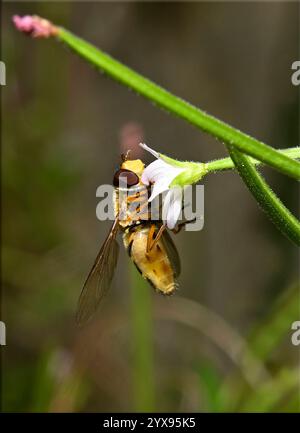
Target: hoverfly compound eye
126,177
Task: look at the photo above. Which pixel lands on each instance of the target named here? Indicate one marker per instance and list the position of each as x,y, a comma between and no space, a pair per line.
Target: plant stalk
207,123
283,219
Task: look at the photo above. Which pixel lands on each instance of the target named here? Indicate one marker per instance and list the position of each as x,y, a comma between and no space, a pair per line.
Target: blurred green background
223,341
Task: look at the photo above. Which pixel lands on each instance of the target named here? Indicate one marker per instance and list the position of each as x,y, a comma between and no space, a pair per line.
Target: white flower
162,174
172,206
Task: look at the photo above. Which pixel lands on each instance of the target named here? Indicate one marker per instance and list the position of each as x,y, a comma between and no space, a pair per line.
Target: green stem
268,335
181,108
142,343
228,164
283,219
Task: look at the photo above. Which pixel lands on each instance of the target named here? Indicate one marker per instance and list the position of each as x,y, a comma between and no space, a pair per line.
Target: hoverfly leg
152,241
181,225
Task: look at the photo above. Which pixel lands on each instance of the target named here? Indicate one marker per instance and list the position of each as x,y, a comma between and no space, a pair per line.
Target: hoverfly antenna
125,156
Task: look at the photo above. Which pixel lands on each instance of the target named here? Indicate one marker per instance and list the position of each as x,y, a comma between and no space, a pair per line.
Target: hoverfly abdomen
156,265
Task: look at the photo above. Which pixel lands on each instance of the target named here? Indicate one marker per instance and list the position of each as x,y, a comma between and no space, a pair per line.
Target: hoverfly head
129,173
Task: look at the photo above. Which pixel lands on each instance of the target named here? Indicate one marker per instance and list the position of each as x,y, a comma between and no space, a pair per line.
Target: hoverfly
147,242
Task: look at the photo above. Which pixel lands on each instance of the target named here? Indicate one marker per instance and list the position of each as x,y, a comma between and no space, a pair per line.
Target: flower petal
159,171
158,188
153,152
172,206
154,171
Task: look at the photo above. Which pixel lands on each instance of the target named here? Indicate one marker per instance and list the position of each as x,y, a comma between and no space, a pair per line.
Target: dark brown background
62,126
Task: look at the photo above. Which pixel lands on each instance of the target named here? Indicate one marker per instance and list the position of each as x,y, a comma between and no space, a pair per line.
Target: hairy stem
283,219
238,143
222,131
227,163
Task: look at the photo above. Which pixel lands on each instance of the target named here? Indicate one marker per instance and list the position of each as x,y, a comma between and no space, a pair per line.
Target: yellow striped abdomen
155,265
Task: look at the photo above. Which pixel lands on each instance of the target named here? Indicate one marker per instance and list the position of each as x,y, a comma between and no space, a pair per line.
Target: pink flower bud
35,26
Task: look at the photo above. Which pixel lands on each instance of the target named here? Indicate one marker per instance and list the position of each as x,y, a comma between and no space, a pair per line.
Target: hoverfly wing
99,278
172,253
